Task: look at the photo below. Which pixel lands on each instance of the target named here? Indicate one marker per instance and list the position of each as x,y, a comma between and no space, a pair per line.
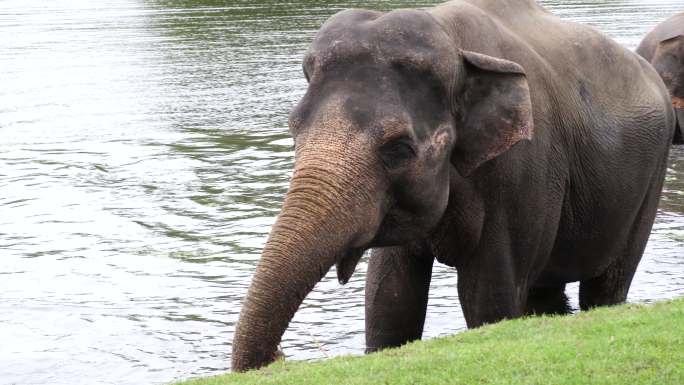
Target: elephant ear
494,110
671,39
667,60
668,46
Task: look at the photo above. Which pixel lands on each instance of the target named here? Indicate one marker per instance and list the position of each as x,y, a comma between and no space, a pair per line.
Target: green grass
629,344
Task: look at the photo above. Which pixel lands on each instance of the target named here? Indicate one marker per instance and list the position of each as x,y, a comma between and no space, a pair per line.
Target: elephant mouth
678,103
347,264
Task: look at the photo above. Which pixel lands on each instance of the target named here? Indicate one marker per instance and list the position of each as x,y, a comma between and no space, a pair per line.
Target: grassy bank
629,344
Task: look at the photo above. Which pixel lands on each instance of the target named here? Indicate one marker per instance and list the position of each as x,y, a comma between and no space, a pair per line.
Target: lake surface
143,158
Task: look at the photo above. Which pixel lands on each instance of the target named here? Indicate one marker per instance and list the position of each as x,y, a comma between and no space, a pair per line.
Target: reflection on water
144,157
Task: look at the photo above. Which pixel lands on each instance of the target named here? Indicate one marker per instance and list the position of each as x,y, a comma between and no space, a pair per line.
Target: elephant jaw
347,264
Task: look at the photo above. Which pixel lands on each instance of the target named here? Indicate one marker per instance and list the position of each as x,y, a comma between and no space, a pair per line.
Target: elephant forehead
405,35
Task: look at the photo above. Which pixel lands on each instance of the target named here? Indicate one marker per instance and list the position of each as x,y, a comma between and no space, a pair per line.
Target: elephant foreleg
547,300
488,292
397,288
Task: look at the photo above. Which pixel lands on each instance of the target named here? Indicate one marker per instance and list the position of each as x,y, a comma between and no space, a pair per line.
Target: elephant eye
396,153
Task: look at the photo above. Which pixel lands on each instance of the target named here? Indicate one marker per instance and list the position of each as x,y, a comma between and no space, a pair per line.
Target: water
144,156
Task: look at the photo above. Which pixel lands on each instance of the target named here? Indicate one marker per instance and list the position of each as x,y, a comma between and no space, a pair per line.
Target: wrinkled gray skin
525,151
664,49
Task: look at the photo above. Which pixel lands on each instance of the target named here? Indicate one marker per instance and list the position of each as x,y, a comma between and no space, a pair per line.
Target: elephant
663,47
522,150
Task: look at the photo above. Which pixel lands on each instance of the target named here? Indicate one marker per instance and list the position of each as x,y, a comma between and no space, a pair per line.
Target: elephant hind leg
609,288
547,300
397,286
612,286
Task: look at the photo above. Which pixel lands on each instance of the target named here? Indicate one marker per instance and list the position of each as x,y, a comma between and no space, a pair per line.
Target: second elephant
664,49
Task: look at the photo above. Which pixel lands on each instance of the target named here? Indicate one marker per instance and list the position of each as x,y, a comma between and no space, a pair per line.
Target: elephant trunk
324,220
679,128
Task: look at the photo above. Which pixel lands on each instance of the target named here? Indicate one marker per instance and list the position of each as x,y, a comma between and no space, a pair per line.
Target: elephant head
668,60
664,49
391,108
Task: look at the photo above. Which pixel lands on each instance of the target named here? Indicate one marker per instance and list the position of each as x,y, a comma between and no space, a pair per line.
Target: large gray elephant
525,151
664,49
